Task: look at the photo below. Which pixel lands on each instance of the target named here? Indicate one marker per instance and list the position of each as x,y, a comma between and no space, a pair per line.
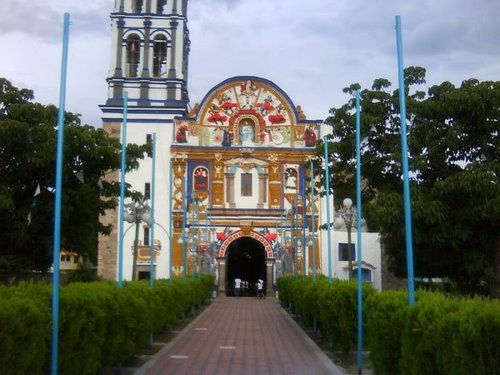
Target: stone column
269,276
230,189
222,275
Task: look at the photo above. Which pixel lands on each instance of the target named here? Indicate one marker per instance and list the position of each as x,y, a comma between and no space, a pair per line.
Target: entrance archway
245,259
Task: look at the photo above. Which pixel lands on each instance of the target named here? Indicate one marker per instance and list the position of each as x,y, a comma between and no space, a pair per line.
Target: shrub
386,316
24,336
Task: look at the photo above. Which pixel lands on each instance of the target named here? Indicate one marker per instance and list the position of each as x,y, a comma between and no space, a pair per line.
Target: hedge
100,324
437,335
333,305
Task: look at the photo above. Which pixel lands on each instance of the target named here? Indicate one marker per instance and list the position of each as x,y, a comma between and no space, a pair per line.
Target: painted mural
249,113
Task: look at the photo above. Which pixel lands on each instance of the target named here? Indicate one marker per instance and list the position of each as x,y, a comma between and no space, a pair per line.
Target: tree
27,181
454,168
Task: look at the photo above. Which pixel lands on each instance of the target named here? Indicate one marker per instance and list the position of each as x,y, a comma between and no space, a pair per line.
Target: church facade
231,175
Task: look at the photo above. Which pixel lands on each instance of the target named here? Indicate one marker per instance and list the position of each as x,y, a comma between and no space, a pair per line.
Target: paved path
241,336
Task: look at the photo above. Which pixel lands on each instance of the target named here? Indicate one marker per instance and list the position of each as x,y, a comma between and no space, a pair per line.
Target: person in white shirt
237,286
260,288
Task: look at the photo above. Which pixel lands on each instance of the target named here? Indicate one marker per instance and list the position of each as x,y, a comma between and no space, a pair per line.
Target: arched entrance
246,260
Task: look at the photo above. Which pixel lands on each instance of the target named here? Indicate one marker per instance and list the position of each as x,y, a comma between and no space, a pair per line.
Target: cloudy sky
311,49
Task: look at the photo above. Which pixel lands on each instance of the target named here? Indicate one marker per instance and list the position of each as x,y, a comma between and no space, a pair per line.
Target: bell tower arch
149,53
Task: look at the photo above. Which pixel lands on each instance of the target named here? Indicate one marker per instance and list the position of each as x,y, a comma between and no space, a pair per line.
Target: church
229,181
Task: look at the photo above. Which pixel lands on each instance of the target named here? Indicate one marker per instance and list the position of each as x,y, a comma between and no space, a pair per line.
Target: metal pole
358,229
327,187
304,219
171,237
404,156
58,201
136,245
122,188
348,224
313,229
198,235
152,213
184,260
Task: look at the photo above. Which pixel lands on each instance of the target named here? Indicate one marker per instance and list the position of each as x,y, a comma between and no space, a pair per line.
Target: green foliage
333,304
454,161
24,336
438,335
451,336
84,273
100,324
386,316
468,339
27,181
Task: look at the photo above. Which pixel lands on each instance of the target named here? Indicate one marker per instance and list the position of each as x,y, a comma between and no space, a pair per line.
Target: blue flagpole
122,188
328,229
152,224
170,273
313,224
58,202
304,219
404,156
358,229
184,224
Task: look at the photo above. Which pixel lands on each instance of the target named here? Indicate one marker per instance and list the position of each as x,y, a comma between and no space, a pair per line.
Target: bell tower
149,54
149,62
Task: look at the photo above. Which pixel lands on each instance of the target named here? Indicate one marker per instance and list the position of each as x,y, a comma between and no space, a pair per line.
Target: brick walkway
241,336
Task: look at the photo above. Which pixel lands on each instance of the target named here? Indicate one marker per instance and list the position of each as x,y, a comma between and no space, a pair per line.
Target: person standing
260,288
237,286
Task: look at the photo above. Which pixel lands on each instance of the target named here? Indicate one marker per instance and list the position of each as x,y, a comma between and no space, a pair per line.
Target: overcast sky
311,49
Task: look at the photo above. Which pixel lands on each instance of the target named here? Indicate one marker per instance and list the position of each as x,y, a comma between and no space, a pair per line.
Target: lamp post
137,212
346,216
195,235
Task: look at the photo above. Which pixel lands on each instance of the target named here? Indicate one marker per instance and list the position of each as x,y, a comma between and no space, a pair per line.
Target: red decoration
221,236
271,236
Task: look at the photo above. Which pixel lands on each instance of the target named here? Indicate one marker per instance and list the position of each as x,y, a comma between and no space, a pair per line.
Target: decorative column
230,189
222,275
262,190
269,275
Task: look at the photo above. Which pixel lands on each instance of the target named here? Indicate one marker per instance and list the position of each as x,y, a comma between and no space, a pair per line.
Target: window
133,55
246,184
149,138
147,190
146,236
160,6
160,56
366,275
344,255
137,6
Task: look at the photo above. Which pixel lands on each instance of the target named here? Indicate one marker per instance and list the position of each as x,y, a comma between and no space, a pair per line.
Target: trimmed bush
386,317
100,323
23,336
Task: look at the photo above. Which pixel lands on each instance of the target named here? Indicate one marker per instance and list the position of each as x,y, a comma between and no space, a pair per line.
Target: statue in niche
310,136
181,134
246,134
291,179
200,179
226,138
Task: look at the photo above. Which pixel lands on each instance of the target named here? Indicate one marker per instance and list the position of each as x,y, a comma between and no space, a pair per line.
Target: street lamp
195,240
346,216
137,212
